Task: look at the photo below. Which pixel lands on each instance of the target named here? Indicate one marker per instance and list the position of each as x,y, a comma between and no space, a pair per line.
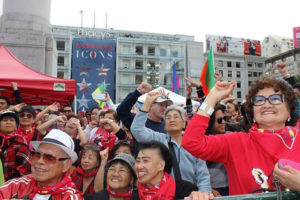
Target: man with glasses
50,179
68,110
14,152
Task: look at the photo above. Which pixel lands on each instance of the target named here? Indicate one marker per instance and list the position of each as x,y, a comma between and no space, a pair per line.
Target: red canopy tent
35,88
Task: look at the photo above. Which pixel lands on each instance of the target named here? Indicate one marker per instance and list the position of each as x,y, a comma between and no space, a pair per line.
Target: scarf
104,139
28,135
125,195
165,189
77,177
65,185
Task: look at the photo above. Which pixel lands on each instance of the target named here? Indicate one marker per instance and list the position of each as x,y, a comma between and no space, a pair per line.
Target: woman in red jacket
249,158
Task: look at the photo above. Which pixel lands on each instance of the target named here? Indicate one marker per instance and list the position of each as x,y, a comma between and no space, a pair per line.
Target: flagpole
81,12
94,18
106,20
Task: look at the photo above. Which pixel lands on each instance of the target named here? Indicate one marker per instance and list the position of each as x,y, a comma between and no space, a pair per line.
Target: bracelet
208,110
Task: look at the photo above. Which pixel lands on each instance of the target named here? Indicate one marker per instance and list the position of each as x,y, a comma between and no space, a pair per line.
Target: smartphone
99,96
283,162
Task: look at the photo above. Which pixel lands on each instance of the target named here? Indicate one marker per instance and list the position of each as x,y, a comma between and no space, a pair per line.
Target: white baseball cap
60,139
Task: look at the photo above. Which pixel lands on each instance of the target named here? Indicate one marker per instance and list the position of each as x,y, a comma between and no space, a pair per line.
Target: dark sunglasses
47,158
220,119
274,99
28,115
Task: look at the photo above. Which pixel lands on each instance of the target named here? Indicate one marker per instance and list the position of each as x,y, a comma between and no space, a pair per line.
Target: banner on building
93,64
296,31
231,45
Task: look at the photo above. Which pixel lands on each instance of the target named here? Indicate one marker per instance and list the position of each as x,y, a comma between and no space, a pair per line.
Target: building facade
291,57
273,45
242,69
140,56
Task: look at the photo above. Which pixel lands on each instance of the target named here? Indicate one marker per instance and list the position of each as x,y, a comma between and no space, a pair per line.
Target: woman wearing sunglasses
217,171
249,158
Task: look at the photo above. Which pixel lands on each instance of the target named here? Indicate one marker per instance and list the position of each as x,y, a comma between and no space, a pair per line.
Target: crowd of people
159,151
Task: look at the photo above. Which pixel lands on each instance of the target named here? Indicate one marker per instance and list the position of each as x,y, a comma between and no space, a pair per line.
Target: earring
289,119
254,121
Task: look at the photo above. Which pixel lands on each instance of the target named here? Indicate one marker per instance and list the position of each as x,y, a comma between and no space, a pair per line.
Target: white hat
60,139
161,98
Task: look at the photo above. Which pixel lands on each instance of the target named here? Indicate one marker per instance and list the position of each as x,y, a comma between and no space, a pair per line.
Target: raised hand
150,99
107,97
104,154
14,85
144,88
162,92
282,68
217,76
189,91
220,91
53,107
193,83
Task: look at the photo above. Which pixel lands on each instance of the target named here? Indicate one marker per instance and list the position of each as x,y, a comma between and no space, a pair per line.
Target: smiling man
51,160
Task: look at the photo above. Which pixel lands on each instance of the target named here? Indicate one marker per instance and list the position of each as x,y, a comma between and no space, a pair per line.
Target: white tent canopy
176,98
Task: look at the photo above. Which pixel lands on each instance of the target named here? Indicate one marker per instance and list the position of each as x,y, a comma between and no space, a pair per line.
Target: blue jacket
192,169
126,117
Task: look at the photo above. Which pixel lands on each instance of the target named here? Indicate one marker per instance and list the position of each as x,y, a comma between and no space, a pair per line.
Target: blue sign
93,63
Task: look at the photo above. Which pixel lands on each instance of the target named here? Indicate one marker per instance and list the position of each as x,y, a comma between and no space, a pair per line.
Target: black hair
296,85
6,99
119,144
163,152
209,130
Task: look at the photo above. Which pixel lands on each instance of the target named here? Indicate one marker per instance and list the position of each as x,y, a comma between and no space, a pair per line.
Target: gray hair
178,108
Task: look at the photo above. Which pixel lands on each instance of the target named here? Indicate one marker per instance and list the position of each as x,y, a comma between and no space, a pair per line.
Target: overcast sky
253,19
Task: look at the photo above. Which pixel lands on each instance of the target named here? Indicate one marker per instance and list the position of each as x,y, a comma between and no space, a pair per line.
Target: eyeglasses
220,119
274,99
28,115
47,158
169,117
120,171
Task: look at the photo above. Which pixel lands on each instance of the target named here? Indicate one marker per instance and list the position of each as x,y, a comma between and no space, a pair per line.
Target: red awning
35,88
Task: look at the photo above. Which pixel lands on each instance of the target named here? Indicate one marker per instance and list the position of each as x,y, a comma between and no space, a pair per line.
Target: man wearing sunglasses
51,160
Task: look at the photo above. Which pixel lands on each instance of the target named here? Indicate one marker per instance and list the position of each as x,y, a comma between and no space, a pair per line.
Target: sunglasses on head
28,115
47,158
220,119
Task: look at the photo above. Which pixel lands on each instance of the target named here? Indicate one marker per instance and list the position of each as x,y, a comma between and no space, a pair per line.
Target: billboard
93,63
296,31
231,45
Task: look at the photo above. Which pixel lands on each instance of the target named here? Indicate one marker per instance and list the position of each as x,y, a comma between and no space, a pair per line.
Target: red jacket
22,187
248,158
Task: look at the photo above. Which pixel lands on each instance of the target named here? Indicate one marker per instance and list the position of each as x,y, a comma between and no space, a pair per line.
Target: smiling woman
250,158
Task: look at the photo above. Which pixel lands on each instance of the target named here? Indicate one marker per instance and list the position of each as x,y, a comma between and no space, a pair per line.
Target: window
249,74
61,61
238,65
174,53
220,63
139,50
259,73
238,84
249,83
229,64
138,64
60,45
255,74
229,73
239,94
138,79
151,51
249,64
238,74
60,74
163,52
259,65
